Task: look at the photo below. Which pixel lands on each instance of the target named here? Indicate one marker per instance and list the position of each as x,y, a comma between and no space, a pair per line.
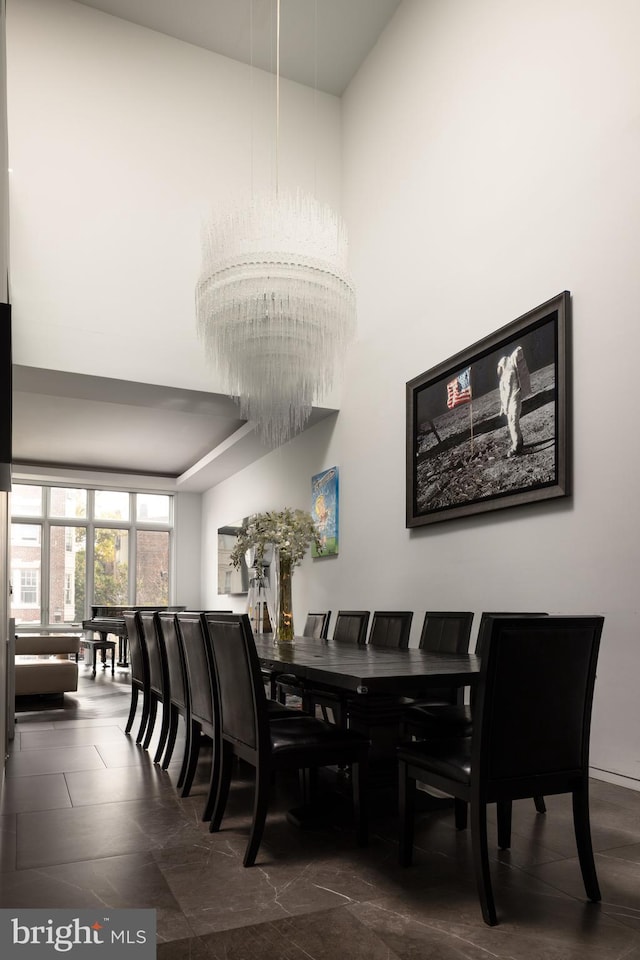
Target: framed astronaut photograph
488,428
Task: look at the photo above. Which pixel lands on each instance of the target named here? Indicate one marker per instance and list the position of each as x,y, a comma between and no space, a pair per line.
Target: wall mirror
230,579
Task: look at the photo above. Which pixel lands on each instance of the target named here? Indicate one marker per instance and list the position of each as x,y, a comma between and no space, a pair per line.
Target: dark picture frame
488,428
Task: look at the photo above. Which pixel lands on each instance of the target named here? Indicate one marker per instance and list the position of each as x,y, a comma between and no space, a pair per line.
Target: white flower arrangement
290,531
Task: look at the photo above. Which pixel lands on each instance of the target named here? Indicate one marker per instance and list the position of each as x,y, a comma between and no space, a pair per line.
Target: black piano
110,620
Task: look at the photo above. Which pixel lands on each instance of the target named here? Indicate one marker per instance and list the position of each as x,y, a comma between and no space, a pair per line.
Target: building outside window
28,587
74,547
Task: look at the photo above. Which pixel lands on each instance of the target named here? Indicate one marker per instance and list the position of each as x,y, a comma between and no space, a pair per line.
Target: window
26,501
153,508
74,547
111,505
28,587
26,563
152,566
111,566
67,573
67,502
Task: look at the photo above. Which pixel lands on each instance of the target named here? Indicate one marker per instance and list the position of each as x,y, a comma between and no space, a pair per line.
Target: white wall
282,478
491,156
122,140
187,549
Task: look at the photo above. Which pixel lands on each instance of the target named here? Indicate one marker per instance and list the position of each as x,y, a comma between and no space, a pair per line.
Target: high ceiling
322,42
96,423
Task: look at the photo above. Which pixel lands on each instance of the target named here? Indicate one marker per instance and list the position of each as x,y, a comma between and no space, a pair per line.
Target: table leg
123,650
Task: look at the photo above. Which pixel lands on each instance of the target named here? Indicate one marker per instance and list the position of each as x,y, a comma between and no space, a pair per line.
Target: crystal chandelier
275,304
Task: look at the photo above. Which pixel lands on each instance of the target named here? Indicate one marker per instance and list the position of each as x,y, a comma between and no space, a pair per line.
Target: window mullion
133,549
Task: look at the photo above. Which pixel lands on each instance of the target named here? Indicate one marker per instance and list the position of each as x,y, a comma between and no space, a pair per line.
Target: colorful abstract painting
324,510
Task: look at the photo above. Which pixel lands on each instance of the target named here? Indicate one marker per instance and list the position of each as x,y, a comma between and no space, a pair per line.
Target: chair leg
187,751
460,813
582,830
132,709
541,806
145,716
407,811
260,807
224,782
171,736
214,780
153,710
164,731
504,824
481,861
192,758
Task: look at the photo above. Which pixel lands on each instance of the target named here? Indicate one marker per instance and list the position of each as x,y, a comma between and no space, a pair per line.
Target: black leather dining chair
200,691
443,631
178,699
390,628
532,716
247,731
202,698
432,719
446,631
139,673
350,627
287,684
317,625
436,716
158,680
280,685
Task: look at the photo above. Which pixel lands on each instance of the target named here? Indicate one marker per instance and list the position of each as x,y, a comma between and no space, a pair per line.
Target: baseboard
610,777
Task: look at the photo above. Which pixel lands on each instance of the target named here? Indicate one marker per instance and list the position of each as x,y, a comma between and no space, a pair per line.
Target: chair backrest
351,626
486,626
198,668
446,631
168,627
137,648
240,689
157,654
391,628
317,625
533,707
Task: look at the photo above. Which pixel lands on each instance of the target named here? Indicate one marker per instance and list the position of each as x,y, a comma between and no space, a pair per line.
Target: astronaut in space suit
515,384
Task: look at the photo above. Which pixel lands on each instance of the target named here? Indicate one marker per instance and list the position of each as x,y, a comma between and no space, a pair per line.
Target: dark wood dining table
373,678
365,670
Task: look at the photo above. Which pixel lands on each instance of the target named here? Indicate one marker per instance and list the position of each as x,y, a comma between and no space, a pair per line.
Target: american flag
459,390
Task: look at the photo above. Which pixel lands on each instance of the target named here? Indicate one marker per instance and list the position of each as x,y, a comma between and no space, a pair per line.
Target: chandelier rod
277,94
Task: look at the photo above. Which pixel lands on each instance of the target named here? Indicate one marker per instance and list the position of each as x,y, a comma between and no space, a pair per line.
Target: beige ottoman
42,665
45,676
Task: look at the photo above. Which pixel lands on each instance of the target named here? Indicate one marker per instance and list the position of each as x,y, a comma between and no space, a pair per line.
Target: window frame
90,524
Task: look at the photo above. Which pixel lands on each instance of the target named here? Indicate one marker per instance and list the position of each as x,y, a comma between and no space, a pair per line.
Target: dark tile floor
88,820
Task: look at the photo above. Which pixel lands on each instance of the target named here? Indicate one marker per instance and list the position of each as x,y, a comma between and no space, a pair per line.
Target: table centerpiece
290,533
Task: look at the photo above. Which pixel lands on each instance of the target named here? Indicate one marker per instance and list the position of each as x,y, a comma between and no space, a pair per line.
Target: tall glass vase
284,602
